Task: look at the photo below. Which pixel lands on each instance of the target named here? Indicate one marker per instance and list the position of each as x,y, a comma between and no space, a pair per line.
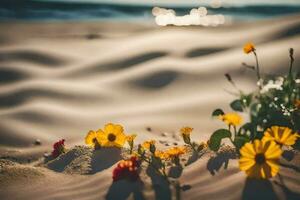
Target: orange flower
176,151
249,47
162,155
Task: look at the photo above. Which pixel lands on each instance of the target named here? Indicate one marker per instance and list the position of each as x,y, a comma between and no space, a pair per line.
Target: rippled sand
59,80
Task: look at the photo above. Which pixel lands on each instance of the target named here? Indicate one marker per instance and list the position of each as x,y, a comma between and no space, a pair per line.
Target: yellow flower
231,119
113,135
249,47
260,159
186,131
281,135
176,151
162,155
147,144
91,138
130,138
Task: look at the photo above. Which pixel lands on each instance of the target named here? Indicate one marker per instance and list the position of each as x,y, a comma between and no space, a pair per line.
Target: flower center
111,137
95,141
260,158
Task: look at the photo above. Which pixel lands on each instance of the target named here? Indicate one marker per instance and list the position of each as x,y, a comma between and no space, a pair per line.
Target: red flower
127,169
58,148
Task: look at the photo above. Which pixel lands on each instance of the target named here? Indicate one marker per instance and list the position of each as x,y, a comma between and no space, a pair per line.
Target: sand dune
59,80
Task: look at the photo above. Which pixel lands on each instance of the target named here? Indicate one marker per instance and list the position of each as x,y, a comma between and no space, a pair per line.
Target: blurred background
140,10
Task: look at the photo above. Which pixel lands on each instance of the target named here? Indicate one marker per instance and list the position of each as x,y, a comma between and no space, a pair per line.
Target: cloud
197,16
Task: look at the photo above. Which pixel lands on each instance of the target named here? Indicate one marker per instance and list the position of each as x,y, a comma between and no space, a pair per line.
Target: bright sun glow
197,16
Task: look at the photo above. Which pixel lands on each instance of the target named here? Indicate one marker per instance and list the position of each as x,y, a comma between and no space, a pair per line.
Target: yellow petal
102,137
89,139
291,140
286,133
109,128
118,129
274,167
246,163
258,146
120,140
248,151
275,131
273,152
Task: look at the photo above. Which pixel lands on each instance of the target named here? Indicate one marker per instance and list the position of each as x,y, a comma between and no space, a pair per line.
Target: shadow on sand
263,189
121,190
258,189
104,158
194,157
215,163
83,160
160,185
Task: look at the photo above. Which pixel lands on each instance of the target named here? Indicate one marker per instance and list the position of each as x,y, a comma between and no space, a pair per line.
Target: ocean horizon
30,10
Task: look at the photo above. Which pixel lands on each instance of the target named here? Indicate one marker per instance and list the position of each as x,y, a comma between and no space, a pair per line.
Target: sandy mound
85,160
12,172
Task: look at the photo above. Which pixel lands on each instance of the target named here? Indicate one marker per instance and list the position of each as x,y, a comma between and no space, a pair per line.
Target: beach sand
60,80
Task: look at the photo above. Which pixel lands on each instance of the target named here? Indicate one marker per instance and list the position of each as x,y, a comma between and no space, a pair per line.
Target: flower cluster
145,153
111,136
259,159
127,169
163,160
274,121
58,148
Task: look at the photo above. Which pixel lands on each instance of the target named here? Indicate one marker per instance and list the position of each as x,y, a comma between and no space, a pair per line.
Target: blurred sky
193,2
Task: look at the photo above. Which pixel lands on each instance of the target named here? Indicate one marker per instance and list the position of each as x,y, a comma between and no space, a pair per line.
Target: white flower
277,85
297,80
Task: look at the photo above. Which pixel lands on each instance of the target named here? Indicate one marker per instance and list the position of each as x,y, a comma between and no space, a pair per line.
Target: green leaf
239,141
237,105
218,112
216,138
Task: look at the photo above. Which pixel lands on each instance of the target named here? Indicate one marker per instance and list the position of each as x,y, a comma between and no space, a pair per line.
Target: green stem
193,147
257,66
292,61
235,131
